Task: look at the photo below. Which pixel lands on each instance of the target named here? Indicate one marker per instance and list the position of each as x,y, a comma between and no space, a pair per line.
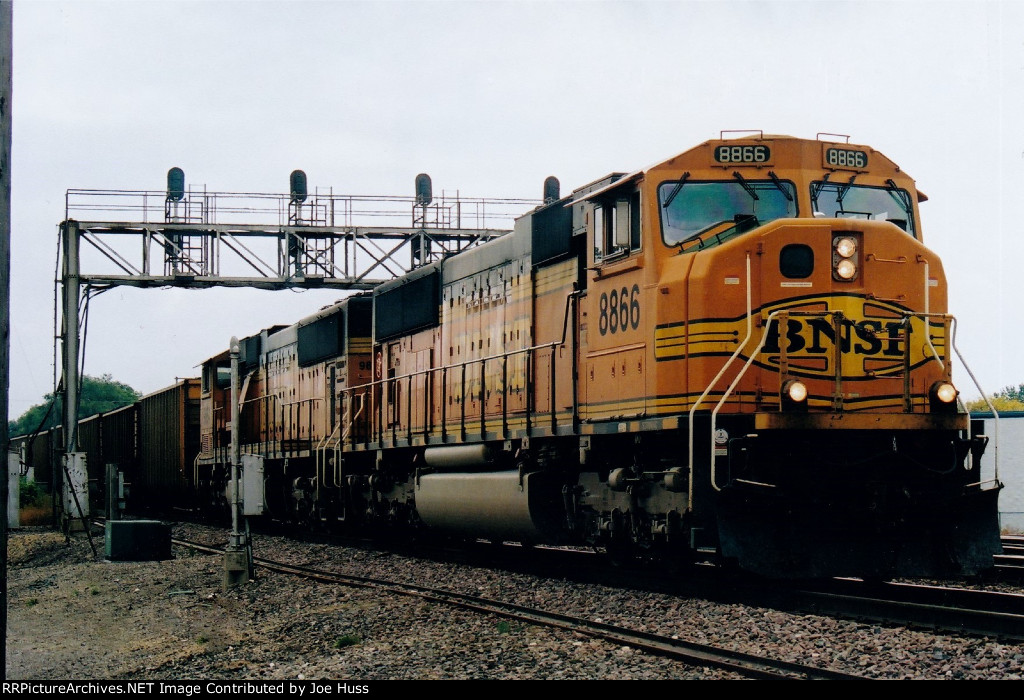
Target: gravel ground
72,616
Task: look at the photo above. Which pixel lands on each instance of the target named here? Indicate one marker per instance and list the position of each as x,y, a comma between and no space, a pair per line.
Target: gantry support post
71,281
236,556
76,492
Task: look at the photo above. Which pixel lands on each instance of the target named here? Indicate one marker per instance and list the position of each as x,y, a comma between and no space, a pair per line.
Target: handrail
319,452
383,385
324,208
693,409
461,367
344,435
995,413
907,317
743,371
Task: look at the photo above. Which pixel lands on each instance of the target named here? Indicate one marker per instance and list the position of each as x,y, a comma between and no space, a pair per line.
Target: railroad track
916,605
949,609
747,665
1010,564
941,608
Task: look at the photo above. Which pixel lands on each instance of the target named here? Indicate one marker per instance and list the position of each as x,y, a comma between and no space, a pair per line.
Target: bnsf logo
817,336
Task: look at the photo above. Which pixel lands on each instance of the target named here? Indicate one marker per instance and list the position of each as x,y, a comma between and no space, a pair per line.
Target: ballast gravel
73,615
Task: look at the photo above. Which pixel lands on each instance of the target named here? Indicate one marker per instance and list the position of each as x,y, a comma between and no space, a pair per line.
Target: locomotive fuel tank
504,505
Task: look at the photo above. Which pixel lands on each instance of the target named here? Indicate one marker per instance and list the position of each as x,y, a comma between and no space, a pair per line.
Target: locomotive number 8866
741,352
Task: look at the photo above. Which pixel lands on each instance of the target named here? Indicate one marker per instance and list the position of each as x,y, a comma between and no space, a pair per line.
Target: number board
845,158
743,154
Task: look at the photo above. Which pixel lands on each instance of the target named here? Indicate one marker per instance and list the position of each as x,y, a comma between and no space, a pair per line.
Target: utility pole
6,58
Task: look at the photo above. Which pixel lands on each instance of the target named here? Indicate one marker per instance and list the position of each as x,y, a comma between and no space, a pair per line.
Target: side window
601,249
634,221
617,227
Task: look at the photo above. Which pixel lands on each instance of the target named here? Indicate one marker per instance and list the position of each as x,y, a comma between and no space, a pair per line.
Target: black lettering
892,348
624,309
634,307
794,341
771,344
821,327
846,331
824,327
867,331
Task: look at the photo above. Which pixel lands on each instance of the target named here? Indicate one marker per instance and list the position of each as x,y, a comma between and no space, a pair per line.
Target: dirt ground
127,619
76,616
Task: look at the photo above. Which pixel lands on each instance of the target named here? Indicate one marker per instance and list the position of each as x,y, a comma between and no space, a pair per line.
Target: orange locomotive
742,351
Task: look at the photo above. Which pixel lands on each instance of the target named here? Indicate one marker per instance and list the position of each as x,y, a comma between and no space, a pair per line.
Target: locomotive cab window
846,200
708,213
617,227
215,375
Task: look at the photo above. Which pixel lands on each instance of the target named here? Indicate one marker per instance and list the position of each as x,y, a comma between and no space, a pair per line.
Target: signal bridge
200,239
194,239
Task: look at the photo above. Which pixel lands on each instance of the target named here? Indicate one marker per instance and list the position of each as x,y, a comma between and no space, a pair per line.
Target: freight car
743,352
153,443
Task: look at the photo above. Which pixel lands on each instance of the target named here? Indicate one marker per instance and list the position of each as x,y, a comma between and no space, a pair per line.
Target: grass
346,640
504,627
37,510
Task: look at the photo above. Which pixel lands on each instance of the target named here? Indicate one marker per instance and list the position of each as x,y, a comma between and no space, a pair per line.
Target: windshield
721,209
848,201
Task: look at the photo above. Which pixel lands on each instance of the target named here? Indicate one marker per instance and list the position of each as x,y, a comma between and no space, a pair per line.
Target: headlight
846,269
846,247
845,257
944,392
795,391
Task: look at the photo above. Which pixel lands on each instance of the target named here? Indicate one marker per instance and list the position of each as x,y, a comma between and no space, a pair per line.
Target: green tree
98,395
1010,398
1014,393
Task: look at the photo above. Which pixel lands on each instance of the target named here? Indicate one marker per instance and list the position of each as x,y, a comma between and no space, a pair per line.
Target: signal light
175,185
297,184
551,189
424,190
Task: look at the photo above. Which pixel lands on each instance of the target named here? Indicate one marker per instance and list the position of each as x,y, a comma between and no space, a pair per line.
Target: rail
995,413
322,208
284,433
711,384
321,460
461,384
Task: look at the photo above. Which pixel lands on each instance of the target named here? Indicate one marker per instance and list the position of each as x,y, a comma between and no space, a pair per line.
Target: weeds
35,504
346,640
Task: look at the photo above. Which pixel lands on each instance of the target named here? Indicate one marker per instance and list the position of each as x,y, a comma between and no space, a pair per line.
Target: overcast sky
489,99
